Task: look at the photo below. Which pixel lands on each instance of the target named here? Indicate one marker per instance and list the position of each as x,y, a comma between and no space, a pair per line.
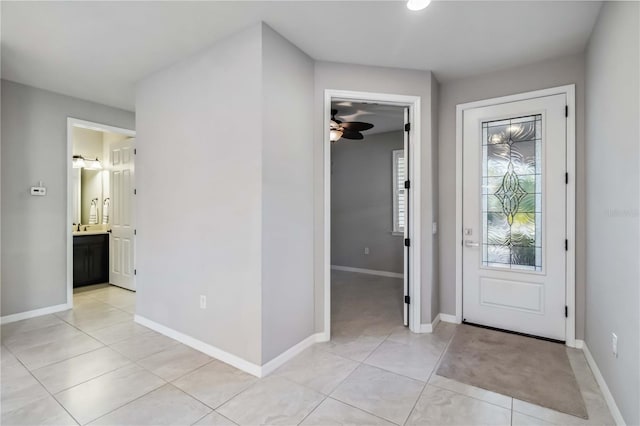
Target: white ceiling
384,118
98,50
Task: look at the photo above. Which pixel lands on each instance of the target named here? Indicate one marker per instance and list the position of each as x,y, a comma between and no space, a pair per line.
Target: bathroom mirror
91,197
88,190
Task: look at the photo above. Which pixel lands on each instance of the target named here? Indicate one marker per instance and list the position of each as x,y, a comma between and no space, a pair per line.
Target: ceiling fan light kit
416,5
347,130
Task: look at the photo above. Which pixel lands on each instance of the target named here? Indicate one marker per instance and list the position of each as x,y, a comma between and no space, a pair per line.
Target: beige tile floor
95,365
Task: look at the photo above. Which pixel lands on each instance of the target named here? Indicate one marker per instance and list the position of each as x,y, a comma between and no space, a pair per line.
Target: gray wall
613,221
558,72
362,203
199,204
238,226
331,75
287,195
34,229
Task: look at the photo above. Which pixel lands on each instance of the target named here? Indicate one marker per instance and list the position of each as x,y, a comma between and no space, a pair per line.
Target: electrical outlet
203,302
434,228
614,344
366,250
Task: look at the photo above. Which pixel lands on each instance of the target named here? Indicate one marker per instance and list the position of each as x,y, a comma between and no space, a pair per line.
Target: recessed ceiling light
417,4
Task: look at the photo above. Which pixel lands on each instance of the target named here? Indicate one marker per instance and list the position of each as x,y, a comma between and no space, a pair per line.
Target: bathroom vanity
90,258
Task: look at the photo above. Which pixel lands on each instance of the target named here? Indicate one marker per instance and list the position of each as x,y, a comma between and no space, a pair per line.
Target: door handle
470,243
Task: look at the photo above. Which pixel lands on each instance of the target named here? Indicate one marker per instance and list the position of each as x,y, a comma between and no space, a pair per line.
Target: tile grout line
43,387
511,418
314,408
134,399
209,413
360,363
435,367
211,360
132,362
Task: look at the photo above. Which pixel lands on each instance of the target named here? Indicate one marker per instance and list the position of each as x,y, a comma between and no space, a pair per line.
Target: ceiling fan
347,130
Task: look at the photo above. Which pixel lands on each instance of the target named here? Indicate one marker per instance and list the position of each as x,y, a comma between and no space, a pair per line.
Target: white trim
428,328
608,397
228,358
201,346
579,344
367,271
570,288
71,123
569,92
448,318
289,354
458,240
34,313
413,102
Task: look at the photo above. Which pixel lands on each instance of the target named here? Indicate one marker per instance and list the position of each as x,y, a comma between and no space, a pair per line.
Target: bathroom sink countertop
89,232
81,233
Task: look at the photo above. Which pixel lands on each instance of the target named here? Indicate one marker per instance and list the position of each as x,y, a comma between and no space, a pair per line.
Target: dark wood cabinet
90,259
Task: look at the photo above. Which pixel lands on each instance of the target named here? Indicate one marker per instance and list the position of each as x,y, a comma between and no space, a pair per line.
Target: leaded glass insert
512,193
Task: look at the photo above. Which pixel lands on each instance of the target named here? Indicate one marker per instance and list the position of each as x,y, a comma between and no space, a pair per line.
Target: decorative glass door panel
512,193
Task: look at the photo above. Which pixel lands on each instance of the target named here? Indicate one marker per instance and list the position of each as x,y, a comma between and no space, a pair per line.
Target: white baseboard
578,344
273,365
229,358
35,313
448,318
367,271
428,328
201,346
608,397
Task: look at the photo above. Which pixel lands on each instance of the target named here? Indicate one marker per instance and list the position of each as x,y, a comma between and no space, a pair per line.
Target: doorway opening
372,199
100,216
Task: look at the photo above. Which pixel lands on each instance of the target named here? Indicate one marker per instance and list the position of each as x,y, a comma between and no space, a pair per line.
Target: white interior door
514,216
405,214
121,259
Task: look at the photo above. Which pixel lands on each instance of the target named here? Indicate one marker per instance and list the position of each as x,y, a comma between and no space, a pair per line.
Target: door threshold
548,339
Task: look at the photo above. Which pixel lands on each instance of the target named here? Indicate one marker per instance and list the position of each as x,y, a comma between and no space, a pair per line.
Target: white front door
514,216
121,259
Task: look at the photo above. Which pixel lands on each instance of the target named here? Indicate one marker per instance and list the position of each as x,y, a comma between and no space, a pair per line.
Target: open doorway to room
367,217
100,248
371,213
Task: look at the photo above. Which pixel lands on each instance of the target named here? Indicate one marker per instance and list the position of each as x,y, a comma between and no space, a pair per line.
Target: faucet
78,227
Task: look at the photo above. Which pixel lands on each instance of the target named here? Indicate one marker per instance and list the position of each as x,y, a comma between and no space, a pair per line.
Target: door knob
470,243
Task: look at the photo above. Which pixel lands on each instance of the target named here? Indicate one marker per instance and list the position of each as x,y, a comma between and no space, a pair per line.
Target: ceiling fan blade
350,134
357,126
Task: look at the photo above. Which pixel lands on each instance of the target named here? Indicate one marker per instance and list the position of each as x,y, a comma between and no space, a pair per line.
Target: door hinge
566,311
566,245
407,242
407,127
407,300
407,184
566,178
135,272
135,232
135,151
135,191
566,110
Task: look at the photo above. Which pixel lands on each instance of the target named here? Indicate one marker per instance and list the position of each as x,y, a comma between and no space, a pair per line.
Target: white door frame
413,103
71,123
569,91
